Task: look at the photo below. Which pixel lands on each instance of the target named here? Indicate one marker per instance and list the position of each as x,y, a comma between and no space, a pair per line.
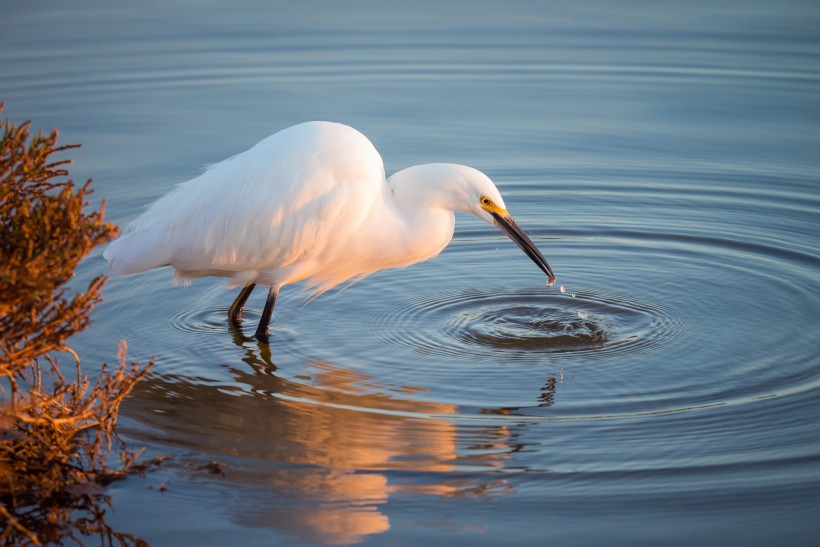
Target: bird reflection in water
318,458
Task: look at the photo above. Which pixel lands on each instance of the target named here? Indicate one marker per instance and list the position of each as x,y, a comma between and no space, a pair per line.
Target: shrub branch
56,434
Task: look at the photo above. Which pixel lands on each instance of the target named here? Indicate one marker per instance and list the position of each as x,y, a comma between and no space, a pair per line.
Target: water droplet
563,289
573,295
582,314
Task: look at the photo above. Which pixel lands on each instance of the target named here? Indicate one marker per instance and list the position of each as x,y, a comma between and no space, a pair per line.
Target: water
663,157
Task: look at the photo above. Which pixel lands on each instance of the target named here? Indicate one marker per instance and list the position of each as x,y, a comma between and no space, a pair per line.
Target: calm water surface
663,157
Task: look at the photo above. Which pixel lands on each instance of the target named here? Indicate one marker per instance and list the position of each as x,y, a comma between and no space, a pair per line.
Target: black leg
264,322
235,311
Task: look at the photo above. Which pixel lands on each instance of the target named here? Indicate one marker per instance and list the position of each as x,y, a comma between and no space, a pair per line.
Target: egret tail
136,252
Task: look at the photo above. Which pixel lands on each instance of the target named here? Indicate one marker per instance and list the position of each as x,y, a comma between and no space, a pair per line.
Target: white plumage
308,203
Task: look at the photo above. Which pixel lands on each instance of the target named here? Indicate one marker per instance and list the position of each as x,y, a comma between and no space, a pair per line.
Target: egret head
474,192
461,188
495,213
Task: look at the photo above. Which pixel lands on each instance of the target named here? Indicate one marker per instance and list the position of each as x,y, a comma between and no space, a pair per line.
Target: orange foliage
55,434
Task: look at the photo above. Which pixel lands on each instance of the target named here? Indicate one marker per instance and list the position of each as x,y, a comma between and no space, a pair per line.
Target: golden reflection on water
317,454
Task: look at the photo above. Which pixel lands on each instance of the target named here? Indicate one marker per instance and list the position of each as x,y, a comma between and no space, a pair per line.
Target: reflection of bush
56,433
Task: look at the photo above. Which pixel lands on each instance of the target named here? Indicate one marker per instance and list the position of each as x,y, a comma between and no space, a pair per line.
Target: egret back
266,212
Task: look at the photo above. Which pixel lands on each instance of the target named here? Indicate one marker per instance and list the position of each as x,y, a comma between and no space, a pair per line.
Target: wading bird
310,202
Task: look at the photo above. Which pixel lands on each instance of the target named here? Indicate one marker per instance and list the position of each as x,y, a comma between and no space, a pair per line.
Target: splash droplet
582,314
563,289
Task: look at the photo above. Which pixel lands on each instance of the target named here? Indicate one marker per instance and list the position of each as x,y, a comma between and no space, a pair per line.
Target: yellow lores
488,205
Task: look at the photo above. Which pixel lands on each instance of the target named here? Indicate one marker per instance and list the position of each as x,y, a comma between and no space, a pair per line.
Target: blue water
663,157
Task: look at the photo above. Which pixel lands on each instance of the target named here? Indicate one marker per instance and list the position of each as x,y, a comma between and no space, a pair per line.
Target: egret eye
485,201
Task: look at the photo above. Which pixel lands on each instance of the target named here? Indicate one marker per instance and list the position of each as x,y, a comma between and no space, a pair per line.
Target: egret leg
235,311
264,322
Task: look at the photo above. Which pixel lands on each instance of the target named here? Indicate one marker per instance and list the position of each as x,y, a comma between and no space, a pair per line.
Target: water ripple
525,324
197,320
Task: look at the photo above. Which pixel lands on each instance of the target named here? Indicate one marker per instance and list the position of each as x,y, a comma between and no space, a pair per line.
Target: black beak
506,224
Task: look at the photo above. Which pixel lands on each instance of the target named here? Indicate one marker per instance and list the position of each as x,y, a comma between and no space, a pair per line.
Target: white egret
310,202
